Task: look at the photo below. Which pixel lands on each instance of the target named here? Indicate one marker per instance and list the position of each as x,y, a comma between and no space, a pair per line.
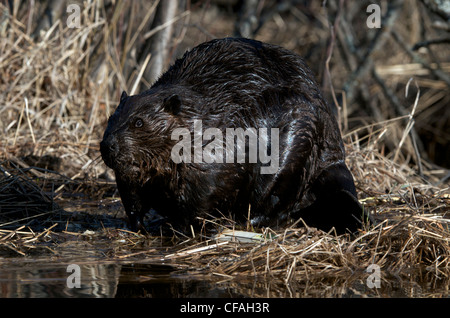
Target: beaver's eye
138,123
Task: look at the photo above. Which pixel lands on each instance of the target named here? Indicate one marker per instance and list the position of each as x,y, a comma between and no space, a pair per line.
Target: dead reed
22,202
404,238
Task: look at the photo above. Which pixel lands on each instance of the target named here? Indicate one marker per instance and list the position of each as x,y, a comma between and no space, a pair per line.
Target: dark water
25,278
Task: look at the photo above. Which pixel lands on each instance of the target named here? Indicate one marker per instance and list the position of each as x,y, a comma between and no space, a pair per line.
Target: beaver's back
242,71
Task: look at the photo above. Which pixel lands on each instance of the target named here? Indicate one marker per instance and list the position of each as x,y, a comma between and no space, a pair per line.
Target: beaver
239,85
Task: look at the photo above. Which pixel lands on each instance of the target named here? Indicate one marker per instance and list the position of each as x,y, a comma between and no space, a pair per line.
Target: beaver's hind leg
336,203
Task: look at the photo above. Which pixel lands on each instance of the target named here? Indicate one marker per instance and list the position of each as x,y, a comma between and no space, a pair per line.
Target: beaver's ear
123,96
172,104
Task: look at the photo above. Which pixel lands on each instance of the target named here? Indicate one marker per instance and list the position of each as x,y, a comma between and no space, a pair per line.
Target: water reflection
155,281
48,280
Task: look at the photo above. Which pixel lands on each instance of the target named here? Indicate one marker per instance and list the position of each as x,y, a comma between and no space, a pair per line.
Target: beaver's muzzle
109,149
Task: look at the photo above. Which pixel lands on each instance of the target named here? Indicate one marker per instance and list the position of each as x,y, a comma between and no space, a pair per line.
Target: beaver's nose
109,149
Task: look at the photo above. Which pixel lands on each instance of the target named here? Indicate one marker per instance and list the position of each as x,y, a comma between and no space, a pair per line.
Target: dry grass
57,91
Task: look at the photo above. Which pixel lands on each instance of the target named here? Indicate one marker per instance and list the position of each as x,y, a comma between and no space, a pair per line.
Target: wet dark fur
230,83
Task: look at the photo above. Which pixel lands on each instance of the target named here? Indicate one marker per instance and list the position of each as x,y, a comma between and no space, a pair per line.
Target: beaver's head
136,143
